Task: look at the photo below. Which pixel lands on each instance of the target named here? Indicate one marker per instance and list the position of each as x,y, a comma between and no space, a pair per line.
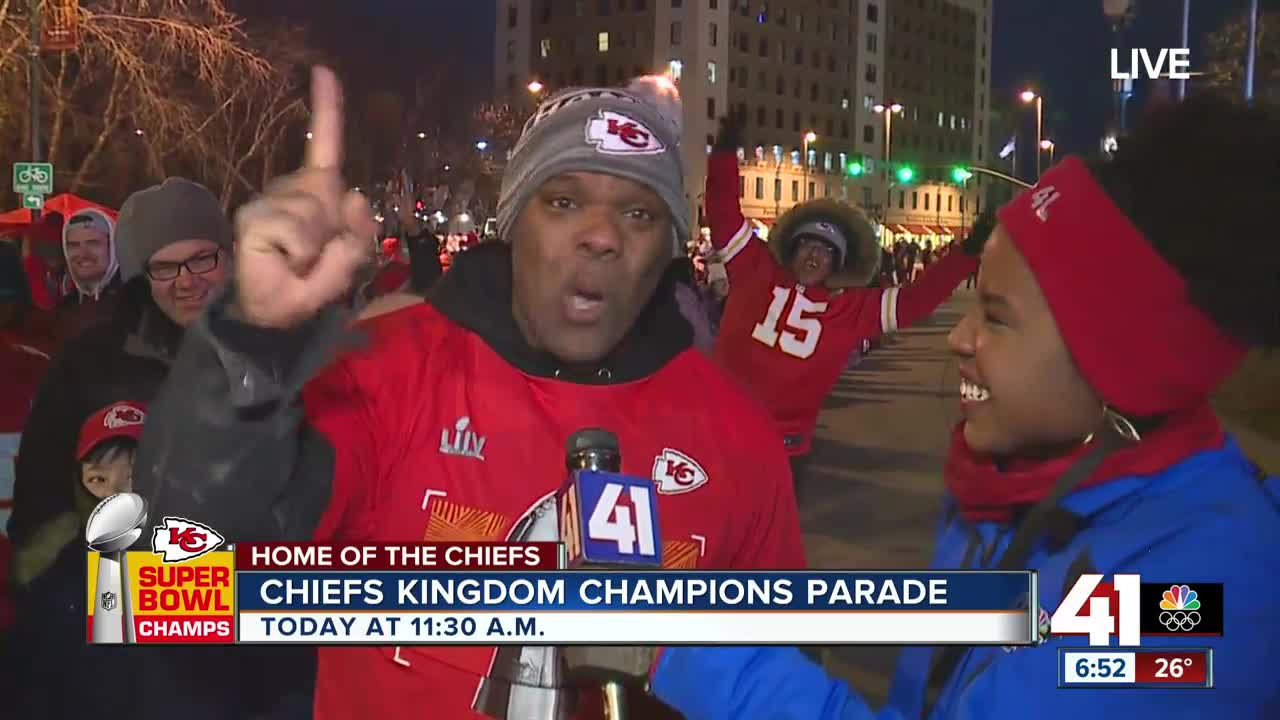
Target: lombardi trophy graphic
115,525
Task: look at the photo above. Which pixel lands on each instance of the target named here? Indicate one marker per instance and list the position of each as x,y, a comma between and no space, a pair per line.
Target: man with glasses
173,242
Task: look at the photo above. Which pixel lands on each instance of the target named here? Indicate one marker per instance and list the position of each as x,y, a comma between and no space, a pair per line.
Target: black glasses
198,265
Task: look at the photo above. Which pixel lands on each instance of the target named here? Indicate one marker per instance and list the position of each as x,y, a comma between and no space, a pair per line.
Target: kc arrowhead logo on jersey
179,540
123,415
616,134
677,473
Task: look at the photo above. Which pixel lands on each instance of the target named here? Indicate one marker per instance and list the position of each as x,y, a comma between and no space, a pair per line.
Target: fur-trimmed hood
862,260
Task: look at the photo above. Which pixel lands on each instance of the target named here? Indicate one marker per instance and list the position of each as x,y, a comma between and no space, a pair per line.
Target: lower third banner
643,608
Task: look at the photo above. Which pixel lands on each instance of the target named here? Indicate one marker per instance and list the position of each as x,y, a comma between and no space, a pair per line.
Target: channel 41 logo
1128,609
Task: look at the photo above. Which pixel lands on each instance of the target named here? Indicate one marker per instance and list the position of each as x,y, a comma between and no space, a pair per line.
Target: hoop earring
1118,424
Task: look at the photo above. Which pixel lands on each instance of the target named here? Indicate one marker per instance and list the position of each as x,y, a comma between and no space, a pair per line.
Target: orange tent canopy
65,203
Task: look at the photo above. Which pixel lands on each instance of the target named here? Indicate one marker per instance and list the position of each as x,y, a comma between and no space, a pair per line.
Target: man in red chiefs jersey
799,306
449,421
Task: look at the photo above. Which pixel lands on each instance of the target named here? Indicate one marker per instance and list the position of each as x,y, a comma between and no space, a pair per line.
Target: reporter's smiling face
1021,392
588,250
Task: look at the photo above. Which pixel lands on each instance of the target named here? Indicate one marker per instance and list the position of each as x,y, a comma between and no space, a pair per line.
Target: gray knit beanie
155,218
632,132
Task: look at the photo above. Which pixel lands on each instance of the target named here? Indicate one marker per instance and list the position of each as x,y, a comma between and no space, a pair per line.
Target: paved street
876,479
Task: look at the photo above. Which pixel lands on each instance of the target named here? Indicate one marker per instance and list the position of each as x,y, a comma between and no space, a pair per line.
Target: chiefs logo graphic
616,134
677,473
123,415
179,540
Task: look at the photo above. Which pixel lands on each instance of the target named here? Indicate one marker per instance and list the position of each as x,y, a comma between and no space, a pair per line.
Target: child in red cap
49,571
106,448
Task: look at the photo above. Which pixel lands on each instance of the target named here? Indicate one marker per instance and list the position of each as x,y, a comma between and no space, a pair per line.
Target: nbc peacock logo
1179,609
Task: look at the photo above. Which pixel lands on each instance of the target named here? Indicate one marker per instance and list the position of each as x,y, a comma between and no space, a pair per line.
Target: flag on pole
1009,147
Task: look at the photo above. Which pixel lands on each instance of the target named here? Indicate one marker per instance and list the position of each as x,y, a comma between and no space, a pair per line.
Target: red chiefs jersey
788,343
437,437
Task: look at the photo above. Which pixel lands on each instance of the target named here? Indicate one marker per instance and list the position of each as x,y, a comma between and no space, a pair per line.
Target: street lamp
1048,145
1029,96
308,134
422,136
535,87
804,158
481,145
888,111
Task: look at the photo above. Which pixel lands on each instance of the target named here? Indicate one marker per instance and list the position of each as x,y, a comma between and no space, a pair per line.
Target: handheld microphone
609,521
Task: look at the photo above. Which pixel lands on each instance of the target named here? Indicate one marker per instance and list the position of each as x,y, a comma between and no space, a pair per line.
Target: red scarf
986,493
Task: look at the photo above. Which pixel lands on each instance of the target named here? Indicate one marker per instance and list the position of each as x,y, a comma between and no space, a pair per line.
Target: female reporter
1108,311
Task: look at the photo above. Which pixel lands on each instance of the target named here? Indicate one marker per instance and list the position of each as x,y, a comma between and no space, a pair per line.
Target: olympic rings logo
1179,620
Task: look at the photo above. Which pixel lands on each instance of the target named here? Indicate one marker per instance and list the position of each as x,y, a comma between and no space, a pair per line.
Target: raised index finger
324,151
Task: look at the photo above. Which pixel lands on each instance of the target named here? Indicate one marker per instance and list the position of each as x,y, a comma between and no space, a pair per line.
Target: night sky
1059,47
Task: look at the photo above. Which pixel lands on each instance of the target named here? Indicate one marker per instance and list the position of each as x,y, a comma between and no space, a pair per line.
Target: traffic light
906,174
960,173
855,168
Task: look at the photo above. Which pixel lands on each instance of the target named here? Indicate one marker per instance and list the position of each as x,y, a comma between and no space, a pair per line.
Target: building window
715,35
675,68
511,51
799,56
949,199
511,83
715,5
779,119
742,186
800,28
940,123
764,47
711,108
915,200
871,73
777,189
677,3
513,15
795,122
759,188
868,102
901,195
826,162
866,196
926,201
605,9
873,12
781,86
871,42
777,154
810,196
602,75
813,92
711,72
544,48
844,128
844,103
795,191
545,14
602,42
868,133
675,33
760,115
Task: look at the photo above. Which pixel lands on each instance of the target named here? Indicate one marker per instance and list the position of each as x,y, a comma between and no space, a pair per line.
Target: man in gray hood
89,244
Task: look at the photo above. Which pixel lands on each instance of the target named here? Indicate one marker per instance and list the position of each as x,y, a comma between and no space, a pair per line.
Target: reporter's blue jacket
1209,519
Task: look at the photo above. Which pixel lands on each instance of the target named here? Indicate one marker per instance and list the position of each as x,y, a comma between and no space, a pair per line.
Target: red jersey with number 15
786,342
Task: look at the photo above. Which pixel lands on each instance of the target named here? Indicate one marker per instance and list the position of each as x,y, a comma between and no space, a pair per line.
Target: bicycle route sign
33,178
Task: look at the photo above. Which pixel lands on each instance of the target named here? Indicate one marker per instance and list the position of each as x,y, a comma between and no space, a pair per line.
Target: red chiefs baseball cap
119,419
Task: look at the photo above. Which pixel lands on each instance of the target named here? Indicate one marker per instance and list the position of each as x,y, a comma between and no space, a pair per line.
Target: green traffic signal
855,168
906,173
960,174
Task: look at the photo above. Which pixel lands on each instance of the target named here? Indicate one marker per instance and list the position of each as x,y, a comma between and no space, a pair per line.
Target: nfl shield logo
108,601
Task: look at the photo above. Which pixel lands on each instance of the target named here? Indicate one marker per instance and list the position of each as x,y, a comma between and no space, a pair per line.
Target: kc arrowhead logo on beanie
616,134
